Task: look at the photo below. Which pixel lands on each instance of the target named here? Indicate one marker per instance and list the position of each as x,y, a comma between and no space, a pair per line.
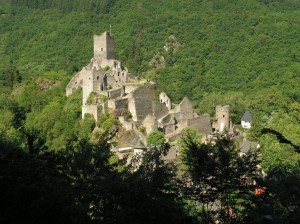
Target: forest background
242,53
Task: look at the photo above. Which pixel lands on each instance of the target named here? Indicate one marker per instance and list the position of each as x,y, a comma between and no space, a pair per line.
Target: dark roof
247,116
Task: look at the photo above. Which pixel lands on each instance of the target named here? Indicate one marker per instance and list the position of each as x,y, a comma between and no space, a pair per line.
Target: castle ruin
115,89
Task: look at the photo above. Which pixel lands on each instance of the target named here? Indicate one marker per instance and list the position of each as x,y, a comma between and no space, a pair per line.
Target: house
246,120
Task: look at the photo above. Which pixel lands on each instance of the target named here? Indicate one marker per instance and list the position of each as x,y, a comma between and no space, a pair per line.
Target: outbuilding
246,120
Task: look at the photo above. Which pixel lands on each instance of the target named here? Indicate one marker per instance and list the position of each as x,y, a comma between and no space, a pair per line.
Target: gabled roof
185,100
247,117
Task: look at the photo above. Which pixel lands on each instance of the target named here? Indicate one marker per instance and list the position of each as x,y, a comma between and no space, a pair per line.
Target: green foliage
286,125
11,75
156,138
91,98
128,115
87,126
190,139
142,129
81,184
102,6
219,174
249,60
107,122
106,68
285,203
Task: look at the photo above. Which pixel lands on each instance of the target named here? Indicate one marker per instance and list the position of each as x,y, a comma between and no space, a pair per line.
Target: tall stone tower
104,46
222,118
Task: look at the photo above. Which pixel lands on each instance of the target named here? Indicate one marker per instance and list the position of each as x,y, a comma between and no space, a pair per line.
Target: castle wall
94,110
129,89
165,120
115,93
163,98
201,124
140,102
131,108
87,84
74,83
121,104
121,107
146,91
143,107
168,129
186,109
128,126
150,123
160,110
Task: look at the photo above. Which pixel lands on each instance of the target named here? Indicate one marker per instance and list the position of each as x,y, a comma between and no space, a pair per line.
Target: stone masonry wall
115,93
163,98
94,110
129,89
160,109
186,109
74,83
201,124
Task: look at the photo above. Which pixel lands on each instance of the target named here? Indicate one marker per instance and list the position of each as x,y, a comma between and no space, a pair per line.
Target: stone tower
222,118
104,46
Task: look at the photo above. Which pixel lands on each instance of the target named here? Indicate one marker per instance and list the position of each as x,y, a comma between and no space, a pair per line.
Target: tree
218,177
156,138
11,75
150,192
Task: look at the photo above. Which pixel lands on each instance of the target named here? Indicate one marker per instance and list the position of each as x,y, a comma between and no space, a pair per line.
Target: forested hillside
242,53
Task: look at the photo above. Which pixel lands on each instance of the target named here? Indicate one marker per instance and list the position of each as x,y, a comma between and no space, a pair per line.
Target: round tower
222,117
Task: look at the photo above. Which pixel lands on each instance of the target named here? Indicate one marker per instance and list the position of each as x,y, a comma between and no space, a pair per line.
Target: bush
156,138
142,129
128,115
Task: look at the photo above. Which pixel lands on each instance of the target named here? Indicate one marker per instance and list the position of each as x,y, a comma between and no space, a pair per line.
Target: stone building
124,93
222,120
104,74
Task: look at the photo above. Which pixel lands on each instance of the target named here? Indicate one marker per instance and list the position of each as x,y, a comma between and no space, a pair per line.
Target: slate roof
247,117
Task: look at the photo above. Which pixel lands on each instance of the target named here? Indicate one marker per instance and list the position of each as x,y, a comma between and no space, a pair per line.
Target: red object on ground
259,191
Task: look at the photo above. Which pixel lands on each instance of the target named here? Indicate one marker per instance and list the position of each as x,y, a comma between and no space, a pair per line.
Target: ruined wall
146,91
74,83
201,124
129,88
127,125
140,102
94,110
99,80
143,107
150,123
165,120
115,93
186,109
169,129
121,107
159,110
163,98
87,84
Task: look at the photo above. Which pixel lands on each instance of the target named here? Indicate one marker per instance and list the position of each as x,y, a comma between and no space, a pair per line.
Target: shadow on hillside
280,137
